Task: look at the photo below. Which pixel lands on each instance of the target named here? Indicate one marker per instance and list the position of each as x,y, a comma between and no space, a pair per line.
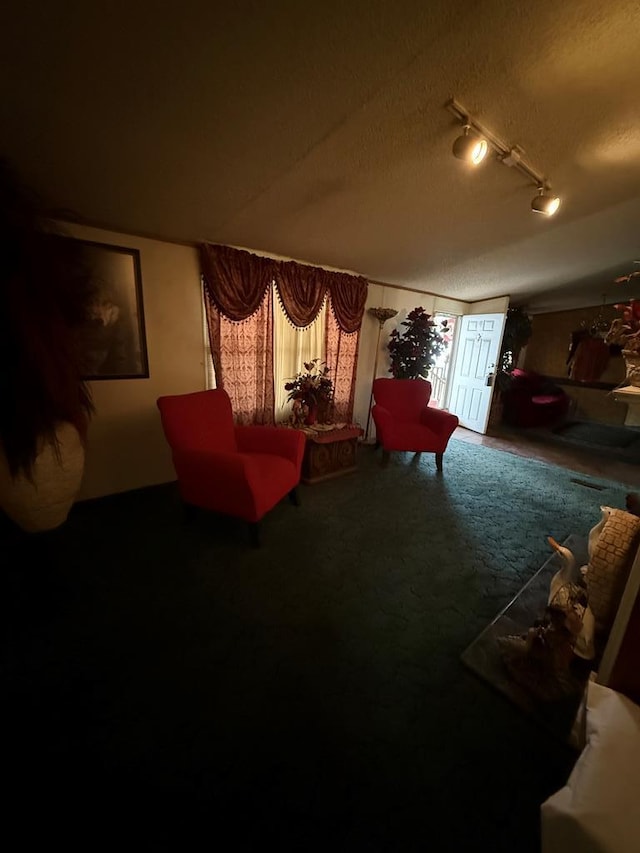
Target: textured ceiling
318,131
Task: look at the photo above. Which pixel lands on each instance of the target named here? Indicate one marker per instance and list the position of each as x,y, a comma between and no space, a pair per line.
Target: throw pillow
610,558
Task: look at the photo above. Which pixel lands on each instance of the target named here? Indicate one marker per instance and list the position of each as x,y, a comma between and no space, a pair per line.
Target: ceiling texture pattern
319,132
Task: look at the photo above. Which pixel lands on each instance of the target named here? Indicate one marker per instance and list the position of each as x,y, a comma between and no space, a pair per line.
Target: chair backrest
404,398
199,421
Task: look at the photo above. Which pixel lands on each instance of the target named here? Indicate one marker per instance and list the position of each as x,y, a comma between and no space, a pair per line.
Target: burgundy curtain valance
348,296
302,290
236,281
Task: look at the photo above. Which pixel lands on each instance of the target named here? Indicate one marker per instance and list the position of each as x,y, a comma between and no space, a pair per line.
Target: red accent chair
238,470
404,421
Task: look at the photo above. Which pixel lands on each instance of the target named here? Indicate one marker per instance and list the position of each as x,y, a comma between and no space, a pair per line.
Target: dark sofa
531,400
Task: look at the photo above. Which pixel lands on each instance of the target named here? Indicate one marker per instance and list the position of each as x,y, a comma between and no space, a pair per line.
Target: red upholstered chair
238,470
403,421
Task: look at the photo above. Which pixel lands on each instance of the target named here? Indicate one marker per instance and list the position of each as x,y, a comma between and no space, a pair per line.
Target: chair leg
376,446
439,461
294,496
254,533
385,457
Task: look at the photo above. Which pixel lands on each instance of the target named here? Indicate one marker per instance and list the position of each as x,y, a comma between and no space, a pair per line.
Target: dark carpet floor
601,435
618,442
164,684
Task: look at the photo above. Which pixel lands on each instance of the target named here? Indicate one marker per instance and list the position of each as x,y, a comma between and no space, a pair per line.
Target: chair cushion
270,478
404,398
414,437
198,421
546,399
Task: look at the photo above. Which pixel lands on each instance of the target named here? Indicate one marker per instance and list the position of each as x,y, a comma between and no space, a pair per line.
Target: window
439,373
291,348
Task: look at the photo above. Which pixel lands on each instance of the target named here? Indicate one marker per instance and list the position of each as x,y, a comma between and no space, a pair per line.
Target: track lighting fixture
470,147
545,202
474,144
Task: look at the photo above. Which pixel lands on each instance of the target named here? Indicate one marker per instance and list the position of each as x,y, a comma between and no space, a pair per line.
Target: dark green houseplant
413,352
517,333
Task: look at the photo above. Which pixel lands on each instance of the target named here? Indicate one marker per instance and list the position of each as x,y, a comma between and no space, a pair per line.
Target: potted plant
311,392
45,406
517,332
414,351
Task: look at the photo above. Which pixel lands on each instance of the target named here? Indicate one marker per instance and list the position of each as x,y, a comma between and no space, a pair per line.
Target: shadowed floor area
618,441
162,676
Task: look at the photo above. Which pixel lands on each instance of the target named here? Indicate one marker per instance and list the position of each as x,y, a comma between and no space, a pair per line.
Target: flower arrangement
310,391
624,331
414,351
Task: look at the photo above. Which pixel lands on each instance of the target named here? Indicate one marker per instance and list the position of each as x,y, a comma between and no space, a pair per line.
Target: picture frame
112,338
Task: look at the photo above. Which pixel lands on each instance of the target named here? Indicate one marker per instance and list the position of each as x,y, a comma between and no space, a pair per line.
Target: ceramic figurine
562,595
567,571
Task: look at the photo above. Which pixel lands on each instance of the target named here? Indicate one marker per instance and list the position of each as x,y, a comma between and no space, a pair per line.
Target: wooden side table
329,453
329,450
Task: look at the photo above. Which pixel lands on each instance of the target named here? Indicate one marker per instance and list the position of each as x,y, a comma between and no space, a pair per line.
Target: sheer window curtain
293,346
342,357
243,359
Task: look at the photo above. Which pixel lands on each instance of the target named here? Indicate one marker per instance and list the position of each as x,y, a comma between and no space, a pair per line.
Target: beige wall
547,353
126,447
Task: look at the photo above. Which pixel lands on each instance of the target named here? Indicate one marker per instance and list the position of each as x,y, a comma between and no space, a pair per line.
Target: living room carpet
619,442
162,676
600,435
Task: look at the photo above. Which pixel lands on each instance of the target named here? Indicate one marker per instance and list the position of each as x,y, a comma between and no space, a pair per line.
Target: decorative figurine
566,577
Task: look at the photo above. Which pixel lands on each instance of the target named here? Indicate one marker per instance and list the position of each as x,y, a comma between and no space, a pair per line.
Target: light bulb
470,147
479,151
545,202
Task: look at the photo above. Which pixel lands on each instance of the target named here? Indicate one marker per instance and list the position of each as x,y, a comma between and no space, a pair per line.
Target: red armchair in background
238,470
403,421
531,400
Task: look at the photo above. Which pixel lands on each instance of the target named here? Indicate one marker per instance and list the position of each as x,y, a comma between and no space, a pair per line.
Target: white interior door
479,341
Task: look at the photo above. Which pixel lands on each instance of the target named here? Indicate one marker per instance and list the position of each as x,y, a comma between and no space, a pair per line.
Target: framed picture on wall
112,337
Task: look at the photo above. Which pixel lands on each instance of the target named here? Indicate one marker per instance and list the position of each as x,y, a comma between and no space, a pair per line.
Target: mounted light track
473,145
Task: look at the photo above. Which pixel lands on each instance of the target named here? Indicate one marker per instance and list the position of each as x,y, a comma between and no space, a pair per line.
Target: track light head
545,202
470,147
